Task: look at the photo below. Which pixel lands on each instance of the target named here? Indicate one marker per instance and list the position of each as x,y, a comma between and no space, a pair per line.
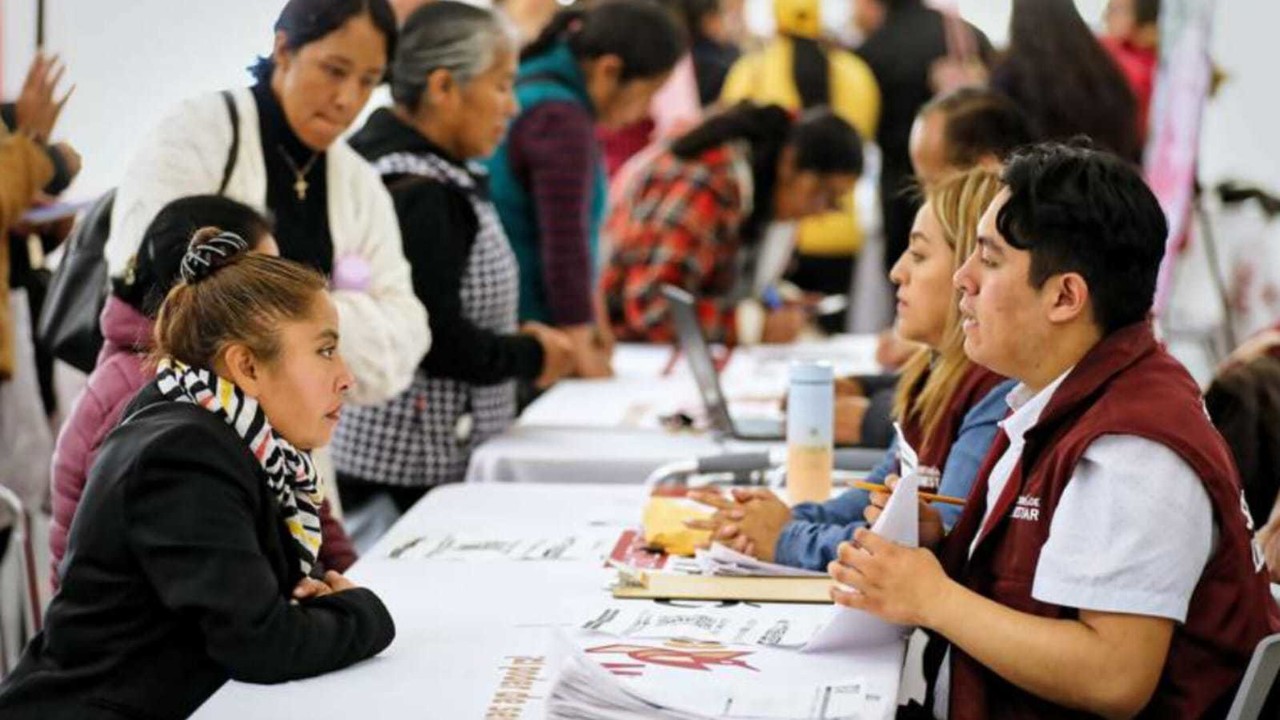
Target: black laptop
693,344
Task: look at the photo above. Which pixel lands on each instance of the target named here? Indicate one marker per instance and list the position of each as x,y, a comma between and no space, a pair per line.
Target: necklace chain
300,183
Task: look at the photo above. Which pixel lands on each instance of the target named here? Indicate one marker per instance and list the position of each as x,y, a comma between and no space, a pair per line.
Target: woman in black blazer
192,556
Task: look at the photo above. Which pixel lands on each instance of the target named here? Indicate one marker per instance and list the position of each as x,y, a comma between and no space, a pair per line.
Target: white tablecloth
462,626
608,431
651,380
565,455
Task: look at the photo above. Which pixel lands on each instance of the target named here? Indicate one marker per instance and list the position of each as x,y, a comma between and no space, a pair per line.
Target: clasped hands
309,587
896,583
749,521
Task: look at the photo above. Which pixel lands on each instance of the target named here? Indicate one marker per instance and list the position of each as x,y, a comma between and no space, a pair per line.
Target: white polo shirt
1131,534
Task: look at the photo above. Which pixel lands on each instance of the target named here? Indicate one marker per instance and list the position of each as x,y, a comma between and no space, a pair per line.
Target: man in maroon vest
1104,564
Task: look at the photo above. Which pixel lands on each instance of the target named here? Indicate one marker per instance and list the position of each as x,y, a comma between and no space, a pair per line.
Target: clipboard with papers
671,586
724,574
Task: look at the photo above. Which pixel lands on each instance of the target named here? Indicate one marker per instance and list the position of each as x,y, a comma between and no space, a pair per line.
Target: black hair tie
204,258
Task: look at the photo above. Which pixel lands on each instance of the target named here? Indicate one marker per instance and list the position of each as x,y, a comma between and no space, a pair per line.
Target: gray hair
446,35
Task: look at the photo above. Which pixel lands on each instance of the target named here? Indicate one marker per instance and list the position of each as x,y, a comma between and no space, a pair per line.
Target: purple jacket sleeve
95,414
555,145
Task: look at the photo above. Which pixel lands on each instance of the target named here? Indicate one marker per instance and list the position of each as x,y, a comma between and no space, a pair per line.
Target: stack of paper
651,681
723,560
781,626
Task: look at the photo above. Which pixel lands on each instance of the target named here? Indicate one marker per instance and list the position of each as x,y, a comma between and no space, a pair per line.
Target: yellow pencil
927,497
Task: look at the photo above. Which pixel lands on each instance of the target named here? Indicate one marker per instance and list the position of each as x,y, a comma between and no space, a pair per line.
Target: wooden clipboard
672,586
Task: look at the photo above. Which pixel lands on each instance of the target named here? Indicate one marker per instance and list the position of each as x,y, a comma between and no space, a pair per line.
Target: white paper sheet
54,211
723,560
457,546
900,522
908,460
744,624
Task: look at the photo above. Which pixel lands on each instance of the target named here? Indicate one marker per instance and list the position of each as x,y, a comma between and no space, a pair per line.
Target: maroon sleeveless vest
1127,384
975,385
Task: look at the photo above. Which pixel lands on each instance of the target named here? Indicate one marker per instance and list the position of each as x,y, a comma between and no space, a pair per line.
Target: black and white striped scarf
291,475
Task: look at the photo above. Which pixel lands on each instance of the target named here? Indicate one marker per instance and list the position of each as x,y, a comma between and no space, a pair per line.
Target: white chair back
1258,680
20,611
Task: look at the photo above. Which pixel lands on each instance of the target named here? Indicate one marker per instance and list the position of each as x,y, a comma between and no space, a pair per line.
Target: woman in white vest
283,155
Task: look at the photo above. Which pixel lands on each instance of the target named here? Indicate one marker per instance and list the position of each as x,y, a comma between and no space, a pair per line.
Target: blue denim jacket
816,530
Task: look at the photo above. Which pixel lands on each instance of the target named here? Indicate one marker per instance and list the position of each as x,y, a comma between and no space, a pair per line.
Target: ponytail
765,128
557,31
800,22
760,125
811,71
823,143
641,33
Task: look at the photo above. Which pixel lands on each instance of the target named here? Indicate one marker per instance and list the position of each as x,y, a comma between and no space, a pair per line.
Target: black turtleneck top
301,226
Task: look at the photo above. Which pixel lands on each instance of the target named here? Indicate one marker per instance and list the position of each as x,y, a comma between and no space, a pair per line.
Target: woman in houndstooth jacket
452,83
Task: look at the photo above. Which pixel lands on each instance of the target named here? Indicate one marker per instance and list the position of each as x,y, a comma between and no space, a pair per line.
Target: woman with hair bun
192,558
121,371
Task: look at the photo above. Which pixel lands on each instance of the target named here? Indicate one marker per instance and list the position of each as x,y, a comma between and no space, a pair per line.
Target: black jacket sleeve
877,422
192,525
872,384
439,228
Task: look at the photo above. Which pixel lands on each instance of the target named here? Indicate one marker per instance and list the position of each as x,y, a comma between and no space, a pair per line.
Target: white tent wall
1240,142
131,60
1240,138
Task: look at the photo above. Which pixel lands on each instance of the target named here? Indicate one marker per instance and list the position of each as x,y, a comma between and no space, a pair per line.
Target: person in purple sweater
121,371
591,68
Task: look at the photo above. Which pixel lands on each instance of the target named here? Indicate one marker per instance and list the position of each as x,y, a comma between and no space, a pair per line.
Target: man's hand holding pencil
895,583
931,527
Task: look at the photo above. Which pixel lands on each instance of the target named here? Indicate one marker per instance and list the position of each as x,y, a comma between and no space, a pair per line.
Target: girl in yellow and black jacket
798,70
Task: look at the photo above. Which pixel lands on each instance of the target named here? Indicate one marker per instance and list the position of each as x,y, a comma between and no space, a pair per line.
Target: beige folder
712,587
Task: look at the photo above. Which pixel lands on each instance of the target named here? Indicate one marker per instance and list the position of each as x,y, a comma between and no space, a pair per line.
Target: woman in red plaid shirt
686,215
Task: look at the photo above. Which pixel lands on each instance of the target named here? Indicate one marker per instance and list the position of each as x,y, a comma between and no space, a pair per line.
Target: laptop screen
694,346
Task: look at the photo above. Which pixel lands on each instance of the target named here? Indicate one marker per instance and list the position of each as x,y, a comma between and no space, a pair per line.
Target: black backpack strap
235,140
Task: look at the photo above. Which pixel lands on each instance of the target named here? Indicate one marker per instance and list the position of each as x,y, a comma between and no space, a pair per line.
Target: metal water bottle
810,426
